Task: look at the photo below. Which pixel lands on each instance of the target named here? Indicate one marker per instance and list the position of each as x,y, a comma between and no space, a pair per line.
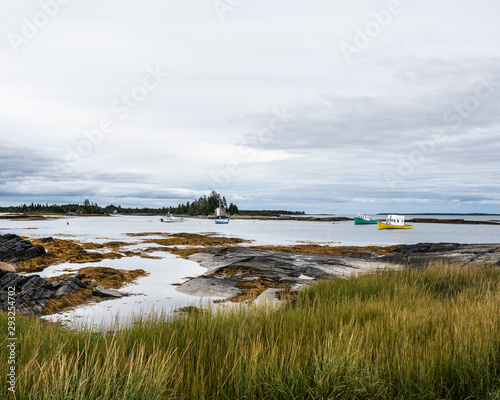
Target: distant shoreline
304,217
439,214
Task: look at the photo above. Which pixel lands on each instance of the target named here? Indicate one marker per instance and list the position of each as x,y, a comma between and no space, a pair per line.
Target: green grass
416,334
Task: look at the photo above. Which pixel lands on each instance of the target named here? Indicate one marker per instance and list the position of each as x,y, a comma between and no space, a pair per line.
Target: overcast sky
320,105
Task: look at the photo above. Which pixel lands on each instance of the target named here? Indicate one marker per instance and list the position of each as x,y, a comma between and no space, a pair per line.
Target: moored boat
171,218
394,222
363,219
220,216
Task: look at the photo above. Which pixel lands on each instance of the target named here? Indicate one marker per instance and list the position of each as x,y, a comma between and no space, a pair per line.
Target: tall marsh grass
432,333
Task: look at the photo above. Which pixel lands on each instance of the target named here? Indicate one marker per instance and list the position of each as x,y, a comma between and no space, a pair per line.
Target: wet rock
34,251
32,291
209,286
75,282
15,247
424,253
103,292
56,285
6,253
69,286
35,294
35,281
11,279
65,290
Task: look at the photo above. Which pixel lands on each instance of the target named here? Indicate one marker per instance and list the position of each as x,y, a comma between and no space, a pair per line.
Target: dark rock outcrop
234,270
231,270
14,247
70,285
424,253
64,290
32,292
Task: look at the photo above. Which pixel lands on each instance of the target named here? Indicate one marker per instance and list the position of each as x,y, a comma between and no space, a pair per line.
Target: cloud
238,197
31,173
351,126
394,117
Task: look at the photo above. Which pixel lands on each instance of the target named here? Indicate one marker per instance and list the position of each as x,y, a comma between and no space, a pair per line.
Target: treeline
205,205
85,208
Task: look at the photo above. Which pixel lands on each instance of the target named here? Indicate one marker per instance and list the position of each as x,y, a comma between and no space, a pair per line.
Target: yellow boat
394,222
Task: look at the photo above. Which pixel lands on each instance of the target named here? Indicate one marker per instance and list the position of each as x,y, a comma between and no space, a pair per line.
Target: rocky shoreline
249,274
33,292
35,295
235,272
14,248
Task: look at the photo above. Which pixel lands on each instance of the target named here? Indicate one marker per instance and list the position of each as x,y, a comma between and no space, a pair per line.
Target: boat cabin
398,220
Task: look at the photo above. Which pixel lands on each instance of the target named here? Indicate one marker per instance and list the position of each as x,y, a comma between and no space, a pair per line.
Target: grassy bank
426,334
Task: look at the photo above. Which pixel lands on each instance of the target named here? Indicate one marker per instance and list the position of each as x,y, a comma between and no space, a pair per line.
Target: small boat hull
382,225
361,221
222,221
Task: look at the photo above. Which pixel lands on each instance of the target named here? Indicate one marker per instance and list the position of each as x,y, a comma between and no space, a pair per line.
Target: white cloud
238,197
351,123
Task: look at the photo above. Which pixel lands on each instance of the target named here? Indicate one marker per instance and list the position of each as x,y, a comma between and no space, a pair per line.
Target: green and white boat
363,219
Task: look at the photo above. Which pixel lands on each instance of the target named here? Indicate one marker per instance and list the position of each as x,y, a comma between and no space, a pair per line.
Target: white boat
171,218
394,222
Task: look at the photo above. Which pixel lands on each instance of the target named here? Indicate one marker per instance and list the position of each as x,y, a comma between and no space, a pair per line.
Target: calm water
156,291
101,229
